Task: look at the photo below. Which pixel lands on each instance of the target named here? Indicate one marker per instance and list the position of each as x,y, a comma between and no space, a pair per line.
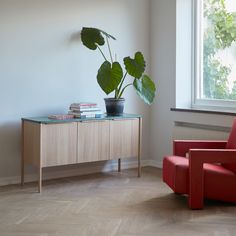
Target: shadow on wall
10,146
75,38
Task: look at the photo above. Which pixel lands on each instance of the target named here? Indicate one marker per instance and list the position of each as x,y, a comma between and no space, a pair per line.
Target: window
215,54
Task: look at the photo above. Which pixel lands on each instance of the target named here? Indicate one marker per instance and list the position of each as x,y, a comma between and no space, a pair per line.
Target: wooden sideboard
48,143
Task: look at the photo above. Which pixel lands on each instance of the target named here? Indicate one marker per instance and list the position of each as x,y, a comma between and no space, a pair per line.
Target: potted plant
112,78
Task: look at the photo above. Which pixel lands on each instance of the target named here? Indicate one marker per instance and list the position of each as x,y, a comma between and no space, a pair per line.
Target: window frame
197,70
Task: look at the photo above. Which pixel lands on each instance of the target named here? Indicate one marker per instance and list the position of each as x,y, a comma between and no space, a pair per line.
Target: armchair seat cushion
218,180
175,173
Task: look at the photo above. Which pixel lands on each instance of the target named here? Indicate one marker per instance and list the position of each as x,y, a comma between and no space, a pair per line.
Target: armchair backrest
231,144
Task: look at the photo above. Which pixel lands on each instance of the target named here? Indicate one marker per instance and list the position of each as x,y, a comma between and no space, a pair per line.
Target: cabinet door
93,141
124,138
58,144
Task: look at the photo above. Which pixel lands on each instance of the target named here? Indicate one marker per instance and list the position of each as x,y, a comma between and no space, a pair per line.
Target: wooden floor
110,204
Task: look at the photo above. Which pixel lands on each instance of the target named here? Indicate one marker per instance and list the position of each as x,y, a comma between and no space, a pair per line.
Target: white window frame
197,70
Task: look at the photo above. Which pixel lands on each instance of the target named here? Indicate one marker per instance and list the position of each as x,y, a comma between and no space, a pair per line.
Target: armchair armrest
197,157
181,147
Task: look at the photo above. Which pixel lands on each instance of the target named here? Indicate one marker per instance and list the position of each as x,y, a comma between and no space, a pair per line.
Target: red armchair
209,172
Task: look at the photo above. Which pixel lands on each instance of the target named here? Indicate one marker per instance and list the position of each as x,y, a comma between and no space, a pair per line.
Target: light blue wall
44,67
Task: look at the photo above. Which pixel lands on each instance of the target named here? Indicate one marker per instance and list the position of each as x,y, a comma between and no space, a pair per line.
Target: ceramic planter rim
114,99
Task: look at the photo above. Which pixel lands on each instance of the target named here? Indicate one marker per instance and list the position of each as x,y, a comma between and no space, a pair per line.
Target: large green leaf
92,37
109,76
135,67
145,88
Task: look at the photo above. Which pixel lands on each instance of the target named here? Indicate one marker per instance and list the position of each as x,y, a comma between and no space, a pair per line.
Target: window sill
193,110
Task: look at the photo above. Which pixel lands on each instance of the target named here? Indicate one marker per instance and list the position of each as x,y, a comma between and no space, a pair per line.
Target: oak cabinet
93,141
124,137
31,140
59,142
47,143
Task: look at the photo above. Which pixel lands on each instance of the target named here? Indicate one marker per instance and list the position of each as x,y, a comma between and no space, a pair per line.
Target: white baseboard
154,163
83,170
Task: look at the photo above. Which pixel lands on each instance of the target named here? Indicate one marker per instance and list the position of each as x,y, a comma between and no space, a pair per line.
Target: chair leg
195,204
196,183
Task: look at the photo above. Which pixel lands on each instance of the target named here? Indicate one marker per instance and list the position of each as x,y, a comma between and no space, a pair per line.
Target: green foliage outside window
219,35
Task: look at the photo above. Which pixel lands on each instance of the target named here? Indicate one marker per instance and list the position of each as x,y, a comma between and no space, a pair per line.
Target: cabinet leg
40,180
140,147
22,173
119,165
22,155
139,167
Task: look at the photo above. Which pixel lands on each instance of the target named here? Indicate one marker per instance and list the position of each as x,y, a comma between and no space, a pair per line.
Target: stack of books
60,117
85,110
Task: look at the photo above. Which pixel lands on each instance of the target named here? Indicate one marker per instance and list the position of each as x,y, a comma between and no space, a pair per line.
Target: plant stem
109,48
121,84
102,53
116,93
124,90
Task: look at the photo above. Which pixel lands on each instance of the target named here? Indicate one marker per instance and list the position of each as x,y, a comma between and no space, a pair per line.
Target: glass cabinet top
46,120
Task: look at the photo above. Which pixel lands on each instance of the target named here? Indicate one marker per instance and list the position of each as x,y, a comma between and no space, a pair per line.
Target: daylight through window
216,51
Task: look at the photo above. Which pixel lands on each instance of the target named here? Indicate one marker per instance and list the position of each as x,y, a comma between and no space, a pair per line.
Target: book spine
88,105
85,109
60,117
83,105
89,116
91,113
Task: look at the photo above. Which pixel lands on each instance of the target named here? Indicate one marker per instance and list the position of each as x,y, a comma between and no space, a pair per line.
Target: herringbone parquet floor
109,204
